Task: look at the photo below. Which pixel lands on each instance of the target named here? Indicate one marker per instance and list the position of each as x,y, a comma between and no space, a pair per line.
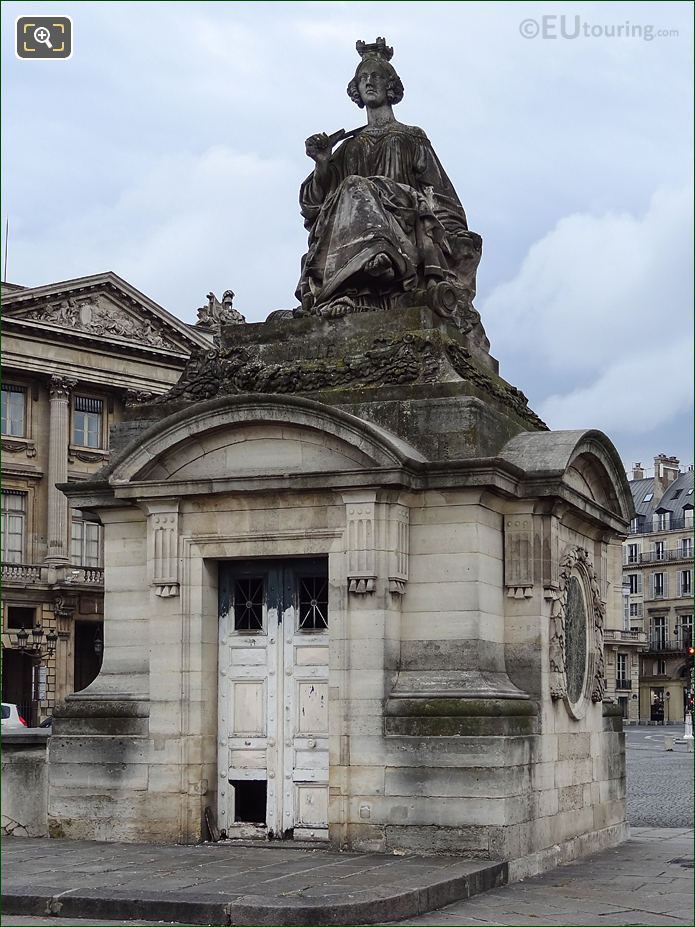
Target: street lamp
43,644
41,647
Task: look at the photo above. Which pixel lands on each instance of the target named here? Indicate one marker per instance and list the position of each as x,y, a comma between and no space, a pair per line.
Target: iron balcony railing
623,683
659,644
653,556
649,526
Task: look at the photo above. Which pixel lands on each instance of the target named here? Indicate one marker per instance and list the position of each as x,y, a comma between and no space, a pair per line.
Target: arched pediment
586,461
259,435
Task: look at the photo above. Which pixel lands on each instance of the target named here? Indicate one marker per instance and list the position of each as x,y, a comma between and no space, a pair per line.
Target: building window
649,497
14,408
87,421
661,521
685,630
632,553
635,609
658,585
686,547
19,616
659,667
686,582
687,516
313,603
85,545
621,671
14,514
635,581
659,550
658,632
248,604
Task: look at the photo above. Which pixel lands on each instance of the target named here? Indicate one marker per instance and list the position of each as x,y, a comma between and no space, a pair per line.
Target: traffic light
691,650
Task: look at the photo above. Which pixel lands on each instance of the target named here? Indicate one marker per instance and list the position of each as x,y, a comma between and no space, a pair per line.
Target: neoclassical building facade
74,354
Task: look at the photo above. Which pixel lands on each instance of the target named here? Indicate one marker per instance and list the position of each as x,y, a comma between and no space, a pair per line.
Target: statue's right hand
318,147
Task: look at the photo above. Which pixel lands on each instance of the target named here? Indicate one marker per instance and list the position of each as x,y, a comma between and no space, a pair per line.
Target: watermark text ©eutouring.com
562,26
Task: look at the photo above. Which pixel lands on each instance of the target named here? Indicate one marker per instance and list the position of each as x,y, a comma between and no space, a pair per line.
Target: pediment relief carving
97,314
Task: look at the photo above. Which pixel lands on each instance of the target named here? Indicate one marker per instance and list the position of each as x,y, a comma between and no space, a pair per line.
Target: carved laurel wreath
576,560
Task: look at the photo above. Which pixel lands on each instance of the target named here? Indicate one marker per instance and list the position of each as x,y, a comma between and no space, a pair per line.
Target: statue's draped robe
385,192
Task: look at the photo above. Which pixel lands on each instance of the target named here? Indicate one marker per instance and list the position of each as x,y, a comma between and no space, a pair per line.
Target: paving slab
222,884
646,881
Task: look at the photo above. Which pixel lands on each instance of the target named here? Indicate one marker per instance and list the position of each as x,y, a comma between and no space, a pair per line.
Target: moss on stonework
57,828
460,707
459,727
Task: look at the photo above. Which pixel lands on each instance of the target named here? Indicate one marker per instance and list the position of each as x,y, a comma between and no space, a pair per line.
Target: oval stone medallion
575,640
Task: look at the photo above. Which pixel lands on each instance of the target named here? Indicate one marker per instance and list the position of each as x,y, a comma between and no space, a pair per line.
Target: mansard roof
677,498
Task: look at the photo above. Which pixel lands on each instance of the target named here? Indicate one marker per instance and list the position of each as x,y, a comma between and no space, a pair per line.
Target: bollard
668,742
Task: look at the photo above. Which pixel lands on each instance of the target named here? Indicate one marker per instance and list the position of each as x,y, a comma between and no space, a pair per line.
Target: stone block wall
25,783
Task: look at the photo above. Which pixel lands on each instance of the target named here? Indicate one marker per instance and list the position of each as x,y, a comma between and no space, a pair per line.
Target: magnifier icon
43,36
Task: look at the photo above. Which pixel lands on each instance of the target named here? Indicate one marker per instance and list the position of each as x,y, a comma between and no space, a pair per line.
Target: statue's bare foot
380,266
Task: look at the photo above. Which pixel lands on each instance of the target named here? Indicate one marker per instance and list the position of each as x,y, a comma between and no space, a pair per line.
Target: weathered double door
273,698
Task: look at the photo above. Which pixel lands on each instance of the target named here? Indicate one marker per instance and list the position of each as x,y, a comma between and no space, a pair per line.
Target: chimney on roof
637,471
666,470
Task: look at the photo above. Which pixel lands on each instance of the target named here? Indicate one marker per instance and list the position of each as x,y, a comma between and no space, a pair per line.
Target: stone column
59,436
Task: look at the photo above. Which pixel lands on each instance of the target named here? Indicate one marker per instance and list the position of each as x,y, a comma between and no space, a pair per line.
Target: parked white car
11,718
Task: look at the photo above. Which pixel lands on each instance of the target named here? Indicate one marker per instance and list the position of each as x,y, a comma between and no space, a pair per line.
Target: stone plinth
456,694
24,783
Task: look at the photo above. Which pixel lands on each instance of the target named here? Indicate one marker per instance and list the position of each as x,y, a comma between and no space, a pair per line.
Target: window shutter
651,585
665,585
639,584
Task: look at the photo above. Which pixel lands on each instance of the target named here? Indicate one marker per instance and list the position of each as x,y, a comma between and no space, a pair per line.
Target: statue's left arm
431,174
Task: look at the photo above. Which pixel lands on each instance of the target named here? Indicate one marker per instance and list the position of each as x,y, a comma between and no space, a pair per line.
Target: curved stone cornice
380,447
549,455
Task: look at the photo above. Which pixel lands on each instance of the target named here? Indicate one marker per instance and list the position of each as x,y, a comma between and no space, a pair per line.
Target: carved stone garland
577,560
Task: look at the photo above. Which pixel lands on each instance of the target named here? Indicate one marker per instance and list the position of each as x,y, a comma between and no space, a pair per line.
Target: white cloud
597,286
631,397
204,214
597,321
170,149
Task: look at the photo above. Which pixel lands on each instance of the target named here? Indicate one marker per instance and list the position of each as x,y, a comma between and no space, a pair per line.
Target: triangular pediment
105,307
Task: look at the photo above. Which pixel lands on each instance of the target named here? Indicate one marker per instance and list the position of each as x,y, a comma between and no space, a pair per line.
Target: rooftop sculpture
386,228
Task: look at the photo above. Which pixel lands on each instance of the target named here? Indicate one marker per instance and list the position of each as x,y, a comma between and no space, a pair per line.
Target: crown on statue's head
378,49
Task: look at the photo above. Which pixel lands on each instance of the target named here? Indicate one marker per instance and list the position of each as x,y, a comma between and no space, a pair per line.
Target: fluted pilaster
60,389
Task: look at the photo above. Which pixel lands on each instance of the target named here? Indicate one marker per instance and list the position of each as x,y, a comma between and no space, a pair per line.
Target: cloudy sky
169,149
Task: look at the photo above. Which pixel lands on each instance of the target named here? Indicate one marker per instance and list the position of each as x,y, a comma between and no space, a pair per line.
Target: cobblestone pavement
659,782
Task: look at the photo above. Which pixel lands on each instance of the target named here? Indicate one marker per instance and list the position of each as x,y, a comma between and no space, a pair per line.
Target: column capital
60,387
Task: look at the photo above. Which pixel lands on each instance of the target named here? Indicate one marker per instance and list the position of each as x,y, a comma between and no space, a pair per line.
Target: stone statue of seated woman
386,228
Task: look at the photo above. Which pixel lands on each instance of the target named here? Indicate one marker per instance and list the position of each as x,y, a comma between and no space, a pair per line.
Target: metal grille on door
273,698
